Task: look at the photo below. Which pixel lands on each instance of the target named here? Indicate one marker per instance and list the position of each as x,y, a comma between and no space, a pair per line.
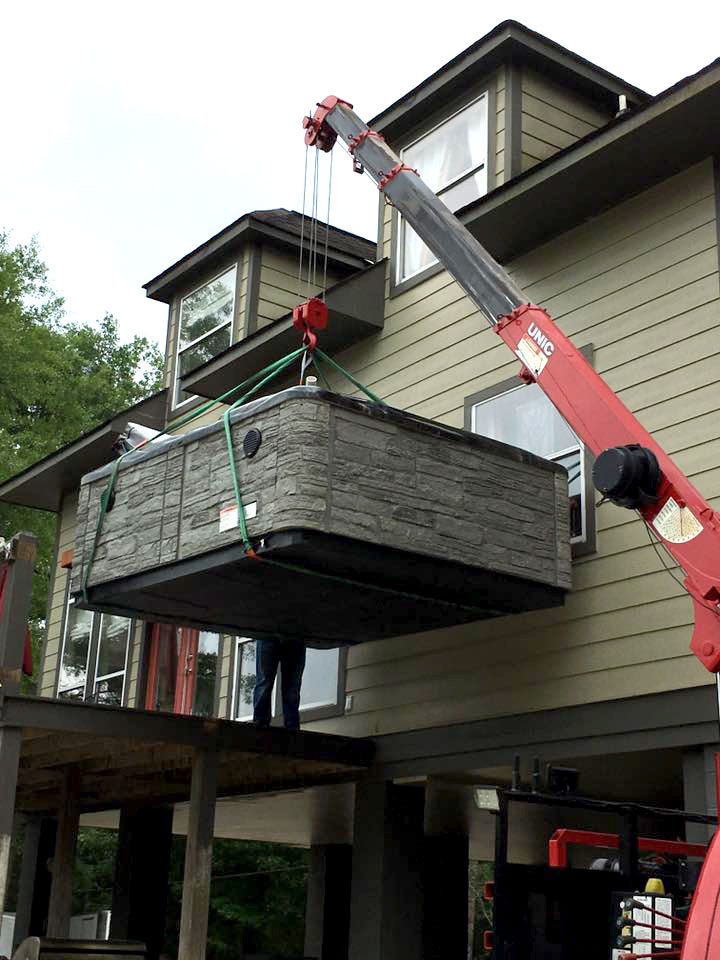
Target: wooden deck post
198,856
141,876
327,912
64,859
20,555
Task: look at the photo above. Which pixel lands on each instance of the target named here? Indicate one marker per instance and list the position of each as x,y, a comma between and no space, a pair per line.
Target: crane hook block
308,317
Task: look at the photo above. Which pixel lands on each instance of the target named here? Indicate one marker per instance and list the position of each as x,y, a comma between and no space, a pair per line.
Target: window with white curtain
525,418
452,160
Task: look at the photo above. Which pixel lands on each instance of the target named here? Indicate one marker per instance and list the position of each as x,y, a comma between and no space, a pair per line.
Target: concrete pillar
198,857
327,916
386,913
60,908
699,794
141,877
445,934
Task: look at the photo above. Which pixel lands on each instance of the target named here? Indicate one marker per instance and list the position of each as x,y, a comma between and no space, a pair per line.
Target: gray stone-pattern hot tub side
333,465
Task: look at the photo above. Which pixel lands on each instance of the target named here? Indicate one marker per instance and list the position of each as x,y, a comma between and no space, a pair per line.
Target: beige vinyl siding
500,81
553,117
53,645
133,669
239,330
278,289
640,283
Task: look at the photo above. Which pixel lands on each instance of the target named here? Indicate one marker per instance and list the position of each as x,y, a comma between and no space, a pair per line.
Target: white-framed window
204,326
452,160
113,645
524,417
75,657
94,656
320,689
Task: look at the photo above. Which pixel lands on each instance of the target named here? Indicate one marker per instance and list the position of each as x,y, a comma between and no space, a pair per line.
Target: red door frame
186,669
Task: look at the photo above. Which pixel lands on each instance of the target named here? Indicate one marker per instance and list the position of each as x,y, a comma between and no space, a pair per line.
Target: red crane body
634,471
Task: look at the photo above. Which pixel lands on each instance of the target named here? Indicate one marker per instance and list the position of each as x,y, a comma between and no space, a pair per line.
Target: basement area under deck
61,760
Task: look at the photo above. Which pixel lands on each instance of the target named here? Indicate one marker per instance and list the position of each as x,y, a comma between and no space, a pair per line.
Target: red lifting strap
27,666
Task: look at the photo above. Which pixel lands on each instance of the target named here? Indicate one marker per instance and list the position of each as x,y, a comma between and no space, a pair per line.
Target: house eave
44,484
647,145
189,268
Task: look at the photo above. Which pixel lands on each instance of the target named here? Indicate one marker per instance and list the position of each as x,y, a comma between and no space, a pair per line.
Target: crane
631,469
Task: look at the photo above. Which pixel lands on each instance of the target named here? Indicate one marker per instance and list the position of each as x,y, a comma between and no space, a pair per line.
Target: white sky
132,132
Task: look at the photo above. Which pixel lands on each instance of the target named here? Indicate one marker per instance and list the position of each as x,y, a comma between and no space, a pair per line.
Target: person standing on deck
288,653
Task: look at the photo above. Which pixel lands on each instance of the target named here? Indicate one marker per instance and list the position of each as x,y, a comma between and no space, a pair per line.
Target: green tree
257,903
59,380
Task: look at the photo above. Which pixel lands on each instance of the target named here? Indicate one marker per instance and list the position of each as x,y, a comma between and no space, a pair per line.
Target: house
602,203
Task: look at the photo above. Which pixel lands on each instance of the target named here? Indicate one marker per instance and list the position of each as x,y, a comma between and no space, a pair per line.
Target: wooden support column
43,879
20,556
198,856
445,933
64,859
9,759
141,876
327,914
386,913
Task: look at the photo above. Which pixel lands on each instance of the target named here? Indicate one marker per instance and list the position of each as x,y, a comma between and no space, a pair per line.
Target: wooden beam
9,756
13,625
64,859
198,857
16,607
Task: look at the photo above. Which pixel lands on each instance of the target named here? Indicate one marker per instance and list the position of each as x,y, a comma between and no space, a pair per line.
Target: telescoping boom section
631,469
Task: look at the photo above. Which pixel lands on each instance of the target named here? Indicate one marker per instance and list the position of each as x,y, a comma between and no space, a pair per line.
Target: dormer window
206,317
452,159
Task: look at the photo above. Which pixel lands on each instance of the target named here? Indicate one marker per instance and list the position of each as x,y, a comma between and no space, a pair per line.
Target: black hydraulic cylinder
482,278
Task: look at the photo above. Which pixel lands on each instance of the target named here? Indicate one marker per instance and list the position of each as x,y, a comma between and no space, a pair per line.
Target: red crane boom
631,469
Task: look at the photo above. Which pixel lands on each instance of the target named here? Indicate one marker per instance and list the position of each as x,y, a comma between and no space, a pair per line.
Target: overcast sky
132,132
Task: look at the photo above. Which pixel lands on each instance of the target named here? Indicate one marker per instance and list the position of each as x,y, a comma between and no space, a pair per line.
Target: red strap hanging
27,666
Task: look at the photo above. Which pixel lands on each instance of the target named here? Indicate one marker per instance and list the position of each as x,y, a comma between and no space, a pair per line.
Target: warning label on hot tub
229,515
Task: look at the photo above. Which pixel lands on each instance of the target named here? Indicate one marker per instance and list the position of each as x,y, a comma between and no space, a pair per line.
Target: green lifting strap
258,380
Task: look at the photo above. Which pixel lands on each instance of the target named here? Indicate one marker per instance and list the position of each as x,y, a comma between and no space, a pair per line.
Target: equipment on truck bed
631,469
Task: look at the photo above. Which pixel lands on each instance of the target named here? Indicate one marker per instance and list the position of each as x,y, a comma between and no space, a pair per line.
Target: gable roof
280,226
509,41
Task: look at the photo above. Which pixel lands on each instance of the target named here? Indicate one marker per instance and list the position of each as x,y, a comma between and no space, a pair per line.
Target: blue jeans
288,653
